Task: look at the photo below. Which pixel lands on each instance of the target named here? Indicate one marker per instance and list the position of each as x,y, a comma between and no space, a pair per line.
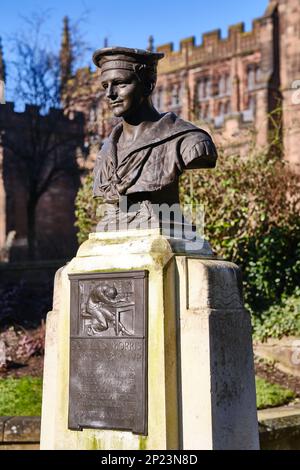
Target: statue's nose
111,92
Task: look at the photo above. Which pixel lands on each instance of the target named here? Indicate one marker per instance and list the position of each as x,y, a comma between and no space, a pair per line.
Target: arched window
199,113
227,109
176,96
158,99
203,88
227,84
207,87
206,115
251,77
251,103
220,113
222,85
204,112
249,112
200,90
221,109
257,74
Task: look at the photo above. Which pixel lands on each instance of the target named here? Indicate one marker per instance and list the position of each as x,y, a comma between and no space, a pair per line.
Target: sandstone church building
240,87
244,89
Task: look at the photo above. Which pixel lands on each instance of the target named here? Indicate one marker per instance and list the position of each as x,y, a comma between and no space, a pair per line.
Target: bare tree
36,67
44,151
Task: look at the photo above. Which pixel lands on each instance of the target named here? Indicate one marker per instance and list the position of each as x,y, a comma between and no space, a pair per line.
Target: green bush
279,320
85,209
251,218
269,395
21,397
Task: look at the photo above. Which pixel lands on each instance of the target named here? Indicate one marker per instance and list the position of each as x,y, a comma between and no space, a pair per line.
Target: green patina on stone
142,442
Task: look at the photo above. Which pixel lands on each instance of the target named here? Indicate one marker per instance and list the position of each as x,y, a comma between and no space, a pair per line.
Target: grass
21,397
270,395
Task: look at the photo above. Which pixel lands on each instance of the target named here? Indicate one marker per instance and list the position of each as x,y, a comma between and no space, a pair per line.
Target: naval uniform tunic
154,161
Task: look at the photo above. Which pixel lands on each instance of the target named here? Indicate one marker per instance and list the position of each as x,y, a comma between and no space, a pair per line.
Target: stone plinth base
201,390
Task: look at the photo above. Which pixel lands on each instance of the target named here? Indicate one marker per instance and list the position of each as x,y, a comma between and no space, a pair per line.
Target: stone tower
150,46
289,47
66,57
245,87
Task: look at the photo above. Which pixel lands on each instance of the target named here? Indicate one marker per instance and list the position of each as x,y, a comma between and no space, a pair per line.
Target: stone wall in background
42,148
233,86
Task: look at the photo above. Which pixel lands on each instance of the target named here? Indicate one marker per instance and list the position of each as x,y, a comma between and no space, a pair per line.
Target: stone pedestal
216,375
200,380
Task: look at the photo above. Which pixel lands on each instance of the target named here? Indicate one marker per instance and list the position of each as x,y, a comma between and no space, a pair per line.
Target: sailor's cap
109,58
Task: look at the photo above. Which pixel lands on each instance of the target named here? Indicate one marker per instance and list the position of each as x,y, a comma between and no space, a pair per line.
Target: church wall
55,231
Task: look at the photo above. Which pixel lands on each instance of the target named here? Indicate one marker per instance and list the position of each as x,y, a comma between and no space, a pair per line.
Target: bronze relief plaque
108,351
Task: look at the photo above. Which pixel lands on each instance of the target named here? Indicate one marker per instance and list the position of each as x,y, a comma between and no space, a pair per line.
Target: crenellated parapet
212,49
56,118
240,78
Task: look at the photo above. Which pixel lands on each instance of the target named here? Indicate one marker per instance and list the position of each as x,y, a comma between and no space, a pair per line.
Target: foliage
270,395
279,320
252,218
20,397
85,209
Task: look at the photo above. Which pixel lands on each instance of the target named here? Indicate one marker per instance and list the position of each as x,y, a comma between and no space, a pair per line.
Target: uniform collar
166,128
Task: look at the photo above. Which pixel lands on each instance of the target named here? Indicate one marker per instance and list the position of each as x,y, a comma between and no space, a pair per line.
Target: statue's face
124,92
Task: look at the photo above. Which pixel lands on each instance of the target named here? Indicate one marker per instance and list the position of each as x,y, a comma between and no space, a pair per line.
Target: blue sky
130,22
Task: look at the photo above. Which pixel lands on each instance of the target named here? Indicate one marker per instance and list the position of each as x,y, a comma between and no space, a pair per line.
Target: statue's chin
118,110
118,113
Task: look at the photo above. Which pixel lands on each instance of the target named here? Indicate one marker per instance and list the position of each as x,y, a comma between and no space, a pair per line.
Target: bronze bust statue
147,151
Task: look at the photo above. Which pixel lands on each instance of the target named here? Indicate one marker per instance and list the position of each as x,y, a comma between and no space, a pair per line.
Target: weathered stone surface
279,428
279,412
112,253
22,429
285,352
216,358
22,446
3,420
200,363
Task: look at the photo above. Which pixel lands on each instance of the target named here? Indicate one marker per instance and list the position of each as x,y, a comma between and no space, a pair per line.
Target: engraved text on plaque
108,351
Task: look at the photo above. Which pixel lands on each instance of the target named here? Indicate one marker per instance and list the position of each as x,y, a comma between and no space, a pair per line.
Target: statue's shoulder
197,149
177,125
192,131
171,126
